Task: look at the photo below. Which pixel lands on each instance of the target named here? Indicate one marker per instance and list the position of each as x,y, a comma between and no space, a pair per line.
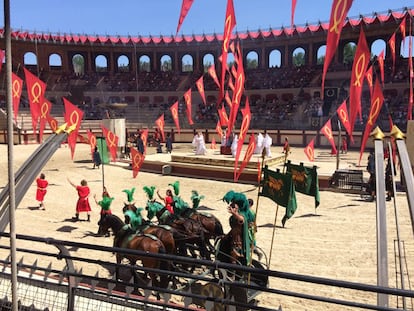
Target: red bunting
381,65
17,86
310,150
342,112
212,72
174,112
45,110
359,67
224,120
376,105
327,131
160,124
185,7
339,11
247,156
73,119
187,98
229,23
36,92
200,87
137,159
111,141
247,117
391,43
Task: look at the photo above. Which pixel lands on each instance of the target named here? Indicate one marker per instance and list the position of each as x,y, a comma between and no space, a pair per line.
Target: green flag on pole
280,188
305,180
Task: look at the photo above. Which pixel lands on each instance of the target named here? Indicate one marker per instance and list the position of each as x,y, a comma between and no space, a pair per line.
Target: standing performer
259,144
168,200
267,143
199,144
41,191
105,203
83,201
96,158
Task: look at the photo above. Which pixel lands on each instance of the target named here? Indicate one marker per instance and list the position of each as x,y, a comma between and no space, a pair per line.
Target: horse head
109,222
153,207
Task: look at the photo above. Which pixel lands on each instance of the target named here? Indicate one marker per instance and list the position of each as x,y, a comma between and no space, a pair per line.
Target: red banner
342,112
53,123
73,119
36,92
212,72
327,131
381,65
200,87
174,112
391,43
219,130
17,86
224,120
144,137
359,67
247,156
185,7
402,30
376,104
91,140
111,141
339,11
310,150
244,127
229,23
45,110
228,100
370,80
187,98
237,95
137,159
160,124
292,16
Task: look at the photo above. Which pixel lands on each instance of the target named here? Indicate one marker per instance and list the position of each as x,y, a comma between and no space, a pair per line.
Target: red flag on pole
174,112
381,65
45,109
73,119
187,98
342,112
376,105
224,120
228,100
310,150
402,29
219,130
36,92
327,131
144,137
160,124
17,86
238,92
185,7
339,11
200,87
259,170
53,123
92,140
111,141
359,67
247,156
247,116
212,72
391,43
229,23
137,159
292,16
370,80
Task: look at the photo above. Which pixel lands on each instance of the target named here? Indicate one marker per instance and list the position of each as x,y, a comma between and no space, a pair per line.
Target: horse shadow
35,208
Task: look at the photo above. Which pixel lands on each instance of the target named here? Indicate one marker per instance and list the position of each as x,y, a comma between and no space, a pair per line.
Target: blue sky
155,17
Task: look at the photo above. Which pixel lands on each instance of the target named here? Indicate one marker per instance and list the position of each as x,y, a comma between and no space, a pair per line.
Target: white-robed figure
267,143
259,144
234,145
199,144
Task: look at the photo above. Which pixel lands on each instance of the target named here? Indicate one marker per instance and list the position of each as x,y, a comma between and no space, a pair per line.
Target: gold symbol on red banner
328,132
244,126
338,20
227,32
174,112
74,118
111,139
309,153
374,111
343,115
137,160
359,67
16,89
239,89
53,125
36,92
44,110
93,141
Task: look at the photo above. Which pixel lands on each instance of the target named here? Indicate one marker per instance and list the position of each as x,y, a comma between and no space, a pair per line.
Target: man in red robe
83,201
42,184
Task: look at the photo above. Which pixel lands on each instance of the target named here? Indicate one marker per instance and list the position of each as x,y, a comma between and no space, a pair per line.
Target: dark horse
142,242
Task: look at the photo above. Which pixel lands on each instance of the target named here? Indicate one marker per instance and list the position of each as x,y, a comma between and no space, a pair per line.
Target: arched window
320,55
298,57
30,58
78,63
208,60
144,64
166,63
187,63
252,60
377,47
101,63
123,63
349,53
55,61
275,59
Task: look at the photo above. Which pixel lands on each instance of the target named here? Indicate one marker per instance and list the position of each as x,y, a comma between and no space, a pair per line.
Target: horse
142,242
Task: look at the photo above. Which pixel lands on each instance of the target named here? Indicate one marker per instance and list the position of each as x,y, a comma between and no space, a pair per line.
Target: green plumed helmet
176,187
149,191
106,202
130,194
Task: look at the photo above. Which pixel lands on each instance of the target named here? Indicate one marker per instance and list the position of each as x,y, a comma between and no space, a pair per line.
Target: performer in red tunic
83,201
168,200
41,189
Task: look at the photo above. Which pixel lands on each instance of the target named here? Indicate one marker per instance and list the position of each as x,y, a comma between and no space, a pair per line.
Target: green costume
105,205
130,194
135,220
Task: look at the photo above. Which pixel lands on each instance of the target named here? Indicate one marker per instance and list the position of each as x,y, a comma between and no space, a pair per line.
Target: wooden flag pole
259,186
273,234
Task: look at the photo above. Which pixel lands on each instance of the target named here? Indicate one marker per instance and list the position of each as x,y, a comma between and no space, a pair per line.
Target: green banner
103,149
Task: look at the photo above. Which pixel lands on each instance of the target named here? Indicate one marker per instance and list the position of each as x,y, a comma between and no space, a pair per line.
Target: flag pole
339,144
103,165
273,234
259,185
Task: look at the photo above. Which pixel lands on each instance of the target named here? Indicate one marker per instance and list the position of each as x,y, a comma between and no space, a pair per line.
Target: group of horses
191,234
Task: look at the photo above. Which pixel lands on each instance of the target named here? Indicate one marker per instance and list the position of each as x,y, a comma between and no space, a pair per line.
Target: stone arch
377,46
123,64
30,59
78,64
55,61
348,53
275,58
144,63
252,60
187,63
166,63
320,55
208,60
298,57
101,63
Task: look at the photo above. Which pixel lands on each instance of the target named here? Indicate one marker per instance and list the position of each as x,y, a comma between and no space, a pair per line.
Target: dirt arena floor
337,240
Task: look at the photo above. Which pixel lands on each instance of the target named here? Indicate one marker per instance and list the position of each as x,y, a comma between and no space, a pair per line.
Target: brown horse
142,242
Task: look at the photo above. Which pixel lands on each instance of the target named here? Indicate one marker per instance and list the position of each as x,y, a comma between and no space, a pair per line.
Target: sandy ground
337,240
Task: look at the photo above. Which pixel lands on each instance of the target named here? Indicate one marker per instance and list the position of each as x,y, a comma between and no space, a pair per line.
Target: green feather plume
196,198
149,191
176,186
239,198
130,194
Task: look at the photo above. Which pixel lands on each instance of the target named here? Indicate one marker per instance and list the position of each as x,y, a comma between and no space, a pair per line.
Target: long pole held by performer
259,183
103,166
